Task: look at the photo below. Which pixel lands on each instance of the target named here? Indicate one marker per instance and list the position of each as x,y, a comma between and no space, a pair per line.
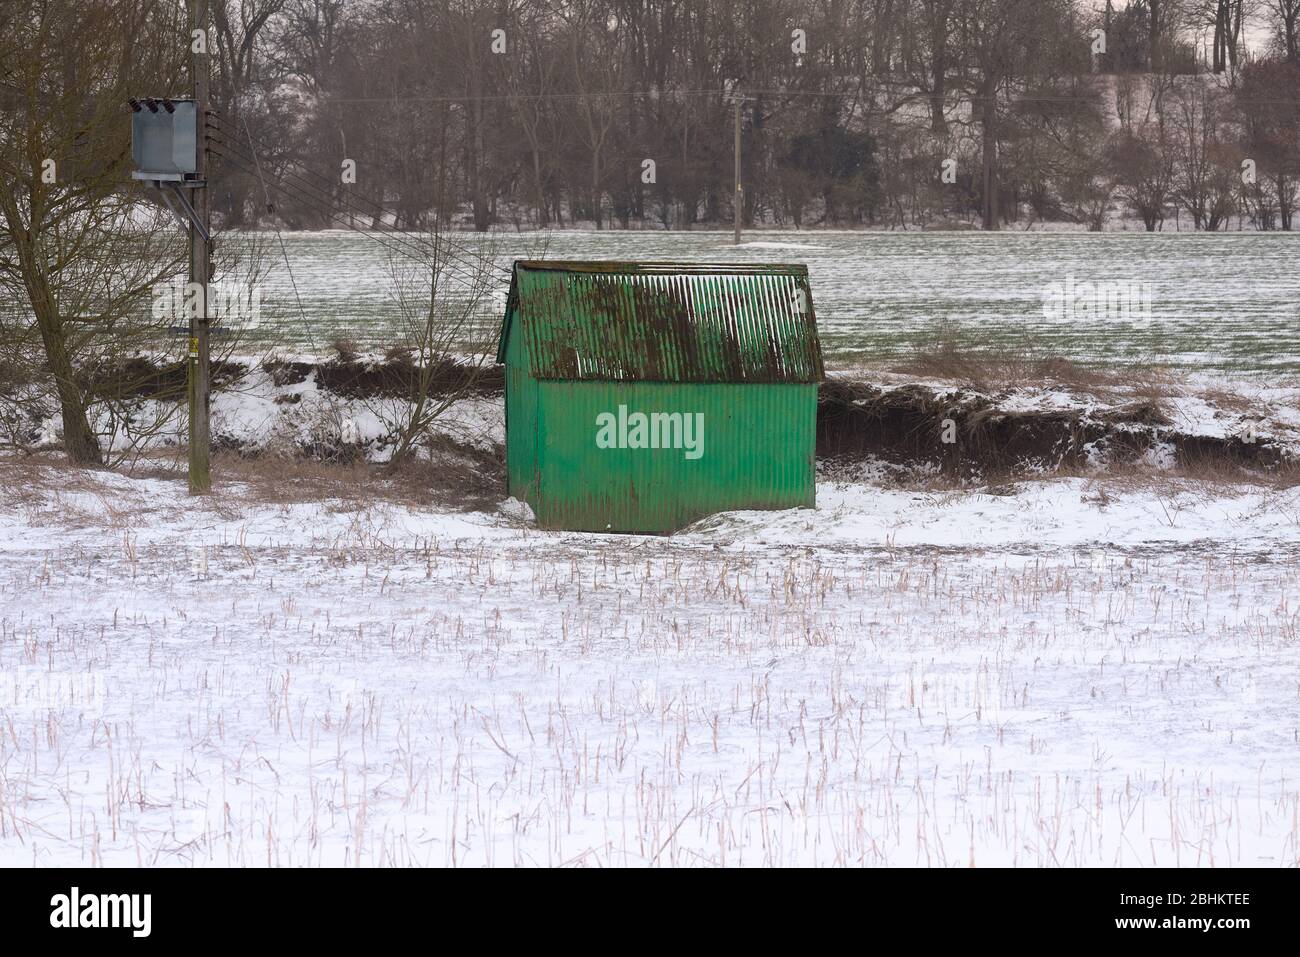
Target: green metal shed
643,396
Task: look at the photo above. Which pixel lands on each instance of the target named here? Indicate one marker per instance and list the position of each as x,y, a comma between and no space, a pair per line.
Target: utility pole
739,201
199,378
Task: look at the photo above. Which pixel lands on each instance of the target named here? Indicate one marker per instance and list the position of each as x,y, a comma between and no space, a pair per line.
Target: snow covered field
1074,672
1220,301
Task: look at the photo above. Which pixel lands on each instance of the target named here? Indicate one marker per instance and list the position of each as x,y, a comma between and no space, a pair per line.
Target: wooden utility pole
200,382
739,201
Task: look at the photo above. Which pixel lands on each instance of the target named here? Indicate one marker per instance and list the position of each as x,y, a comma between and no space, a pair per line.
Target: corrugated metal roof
665,322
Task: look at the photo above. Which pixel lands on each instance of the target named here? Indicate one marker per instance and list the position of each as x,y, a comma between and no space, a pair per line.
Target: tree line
900,113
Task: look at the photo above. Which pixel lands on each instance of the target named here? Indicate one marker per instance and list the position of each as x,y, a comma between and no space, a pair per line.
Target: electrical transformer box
164,139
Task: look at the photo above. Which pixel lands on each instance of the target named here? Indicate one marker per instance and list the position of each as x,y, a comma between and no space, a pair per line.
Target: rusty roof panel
665,322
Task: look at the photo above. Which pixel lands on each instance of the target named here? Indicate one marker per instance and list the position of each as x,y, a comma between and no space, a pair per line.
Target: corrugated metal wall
759,452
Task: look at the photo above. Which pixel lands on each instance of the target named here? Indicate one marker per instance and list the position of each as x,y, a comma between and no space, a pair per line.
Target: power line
377,206
442,246
292,192
321,201
671,94
284,251
394,242
508,97
299,194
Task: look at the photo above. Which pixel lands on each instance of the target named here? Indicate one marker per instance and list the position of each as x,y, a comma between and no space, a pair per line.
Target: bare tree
1226,18
1162,24
1283,17
1269,104
1205,177
78,245
531,80
597,76
1144,172
446,314
238,26
928,46
306,41
1006,39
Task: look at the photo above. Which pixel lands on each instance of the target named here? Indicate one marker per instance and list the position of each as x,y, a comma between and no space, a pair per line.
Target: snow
1059,672
882,294
767,244
260,414
1066,513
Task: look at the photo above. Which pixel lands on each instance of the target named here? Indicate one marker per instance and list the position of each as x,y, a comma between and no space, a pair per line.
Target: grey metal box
164,145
